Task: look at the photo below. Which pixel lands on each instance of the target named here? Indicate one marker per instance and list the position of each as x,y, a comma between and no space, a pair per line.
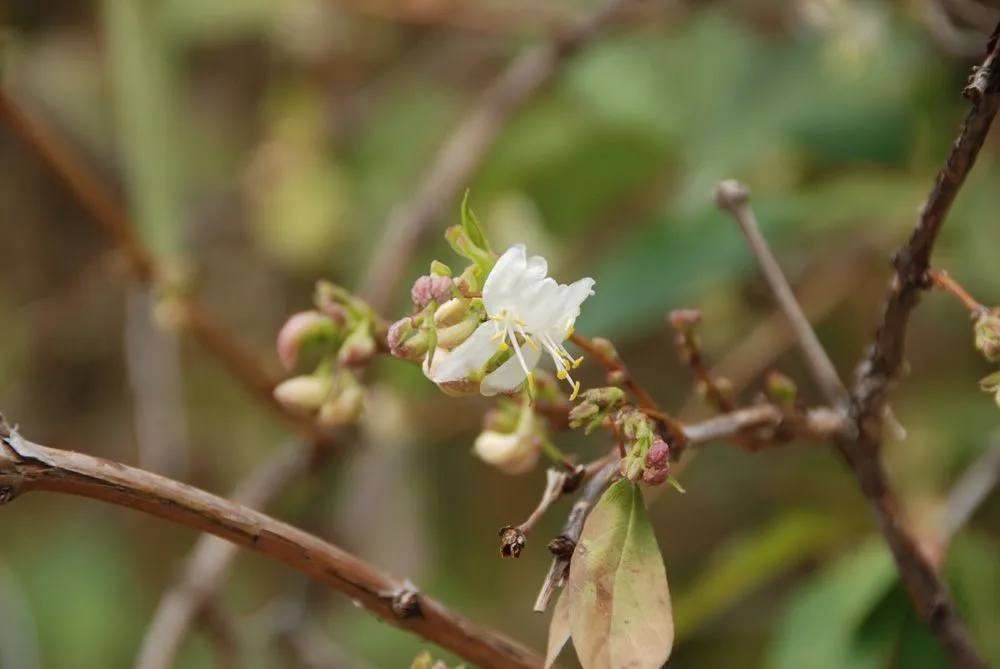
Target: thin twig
465,150
562,547
26,467
972,489
941,280
861,446
818,424
734,197
605,355
224,638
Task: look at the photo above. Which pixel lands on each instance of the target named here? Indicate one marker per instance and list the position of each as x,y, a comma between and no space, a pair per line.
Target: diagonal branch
466,148
884,359
111,216
25,467
734,197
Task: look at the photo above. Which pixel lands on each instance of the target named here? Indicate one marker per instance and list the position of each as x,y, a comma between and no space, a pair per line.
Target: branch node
406,602
562,547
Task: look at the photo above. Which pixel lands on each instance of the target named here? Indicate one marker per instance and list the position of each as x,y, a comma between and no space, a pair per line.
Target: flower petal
504,278
465,360
510,374
571,298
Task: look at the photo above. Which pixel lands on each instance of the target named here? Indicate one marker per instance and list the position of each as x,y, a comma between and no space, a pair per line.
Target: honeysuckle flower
527,312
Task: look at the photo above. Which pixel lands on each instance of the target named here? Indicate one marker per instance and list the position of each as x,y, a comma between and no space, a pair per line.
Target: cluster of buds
648,456
987,333
336,339
595,405
512,438
486,330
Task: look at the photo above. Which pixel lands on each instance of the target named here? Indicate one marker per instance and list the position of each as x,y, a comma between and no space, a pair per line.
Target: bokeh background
266,141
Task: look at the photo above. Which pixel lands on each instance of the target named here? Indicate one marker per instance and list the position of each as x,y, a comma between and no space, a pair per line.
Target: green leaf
472,226
825,617
617,593
558,630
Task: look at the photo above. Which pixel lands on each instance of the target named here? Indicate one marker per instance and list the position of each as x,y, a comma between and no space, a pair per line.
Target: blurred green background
265,142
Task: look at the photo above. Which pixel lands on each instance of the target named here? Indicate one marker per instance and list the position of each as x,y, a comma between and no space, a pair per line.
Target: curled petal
465,360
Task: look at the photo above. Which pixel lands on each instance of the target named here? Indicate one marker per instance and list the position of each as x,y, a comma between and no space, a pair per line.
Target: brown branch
465,150
734,197
25,467
971,491
884,359
818,424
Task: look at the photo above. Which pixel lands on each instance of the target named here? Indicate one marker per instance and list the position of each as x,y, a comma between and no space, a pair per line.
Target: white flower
529,312
510,453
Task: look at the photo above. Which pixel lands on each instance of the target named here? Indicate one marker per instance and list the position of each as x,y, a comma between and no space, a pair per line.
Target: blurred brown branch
861,445
25,467
884,360
465,150
108,212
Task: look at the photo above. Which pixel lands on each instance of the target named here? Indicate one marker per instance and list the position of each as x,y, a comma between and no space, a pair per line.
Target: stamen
576,391
520,328
503,346
578,362
524,366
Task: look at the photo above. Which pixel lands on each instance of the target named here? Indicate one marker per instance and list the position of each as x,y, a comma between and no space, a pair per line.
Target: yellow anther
503,346
531,385
570,331
520,322
578,362
561,374
576,391
531,342
498,336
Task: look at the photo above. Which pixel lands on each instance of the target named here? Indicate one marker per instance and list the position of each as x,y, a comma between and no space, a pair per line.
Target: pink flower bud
299,330
655,476
405,341
358,348
428,288
658,455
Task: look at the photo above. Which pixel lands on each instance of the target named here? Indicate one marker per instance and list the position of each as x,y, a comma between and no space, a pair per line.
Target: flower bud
471,280
617,378
359,346
658,455
333,301
607,397
987,332
582,413
684,320
781,388
655,477
343,408
406,342
631,468
451,312
451,337
513,453
303,393
427,289
604,348
301,329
